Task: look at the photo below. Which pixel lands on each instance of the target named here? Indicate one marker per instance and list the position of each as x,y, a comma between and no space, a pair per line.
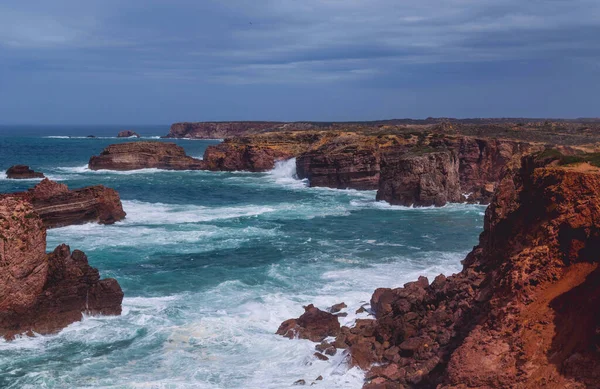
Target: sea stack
127,134
19,172
143,155
41,292
58,206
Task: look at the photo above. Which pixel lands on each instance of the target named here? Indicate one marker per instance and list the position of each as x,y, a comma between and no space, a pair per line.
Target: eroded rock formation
523,313
22,172
58,206
45,292
258,153
142,155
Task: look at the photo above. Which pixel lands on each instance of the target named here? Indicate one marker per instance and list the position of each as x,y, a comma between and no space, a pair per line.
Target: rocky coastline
43,293
507,319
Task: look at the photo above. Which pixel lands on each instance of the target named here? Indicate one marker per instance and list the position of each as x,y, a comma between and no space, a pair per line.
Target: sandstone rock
430,178
314,325
45,292
127,134
142,155
257,153
58,206
22,172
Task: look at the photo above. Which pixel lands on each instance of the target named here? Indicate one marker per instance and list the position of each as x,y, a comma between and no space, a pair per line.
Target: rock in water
58,206
142,155
45,292
127,134
22,172
314,325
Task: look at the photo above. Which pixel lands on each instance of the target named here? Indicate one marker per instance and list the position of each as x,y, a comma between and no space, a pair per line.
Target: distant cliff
219,130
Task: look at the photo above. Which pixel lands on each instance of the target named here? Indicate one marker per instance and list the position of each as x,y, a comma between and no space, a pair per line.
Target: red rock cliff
45,292
523,313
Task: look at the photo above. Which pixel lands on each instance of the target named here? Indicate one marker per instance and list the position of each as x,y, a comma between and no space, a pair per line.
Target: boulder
314,324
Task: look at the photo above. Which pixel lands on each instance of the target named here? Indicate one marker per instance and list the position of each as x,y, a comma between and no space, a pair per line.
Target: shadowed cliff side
42,292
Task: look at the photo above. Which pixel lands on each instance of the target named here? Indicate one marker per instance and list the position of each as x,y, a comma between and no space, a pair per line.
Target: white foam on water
84,169
139,212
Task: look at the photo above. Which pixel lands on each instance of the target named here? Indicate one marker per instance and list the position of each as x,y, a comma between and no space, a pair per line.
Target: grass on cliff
550,155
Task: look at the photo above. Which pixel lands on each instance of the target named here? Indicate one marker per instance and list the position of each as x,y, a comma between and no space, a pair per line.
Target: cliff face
258,153
445,168
142,155
524,311
425,179
58,206
45,292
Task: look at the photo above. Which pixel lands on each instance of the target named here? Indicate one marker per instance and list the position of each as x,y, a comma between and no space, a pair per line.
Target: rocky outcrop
128,134
58,206
524,311
22,172
142,155
219,130
258,153
42,292
314,324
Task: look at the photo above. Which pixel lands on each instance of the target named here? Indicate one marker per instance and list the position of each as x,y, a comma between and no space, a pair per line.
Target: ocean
211,263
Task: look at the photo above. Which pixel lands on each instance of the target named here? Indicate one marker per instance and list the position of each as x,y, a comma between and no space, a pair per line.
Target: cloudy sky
160,61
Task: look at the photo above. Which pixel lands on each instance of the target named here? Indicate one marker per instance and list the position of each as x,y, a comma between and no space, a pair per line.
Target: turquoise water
212,263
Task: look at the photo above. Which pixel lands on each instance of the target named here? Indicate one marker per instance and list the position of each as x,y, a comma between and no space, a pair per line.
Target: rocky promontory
19,172
41,292
58,206
142,155
128,134
524,311
222,130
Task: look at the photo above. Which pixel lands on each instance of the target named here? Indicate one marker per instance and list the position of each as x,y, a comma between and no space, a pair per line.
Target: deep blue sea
212,263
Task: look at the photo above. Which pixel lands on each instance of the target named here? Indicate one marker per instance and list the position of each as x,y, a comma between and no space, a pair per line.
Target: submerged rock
42,292
143,155
22,172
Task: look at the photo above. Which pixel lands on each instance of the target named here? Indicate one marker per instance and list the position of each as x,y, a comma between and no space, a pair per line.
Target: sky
164,61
